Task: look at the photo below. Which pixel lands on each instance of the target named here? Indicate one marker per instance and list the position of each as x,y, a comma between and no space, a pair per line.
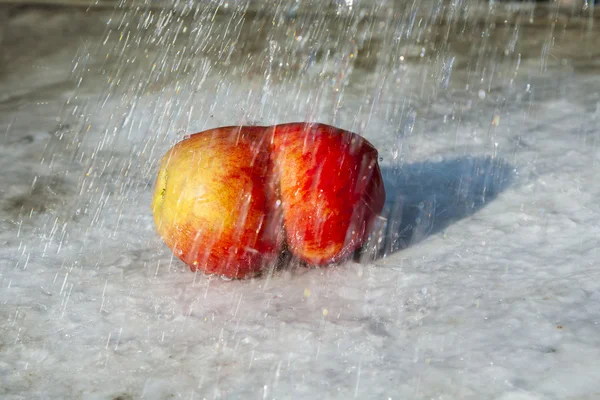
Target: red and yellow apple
227,200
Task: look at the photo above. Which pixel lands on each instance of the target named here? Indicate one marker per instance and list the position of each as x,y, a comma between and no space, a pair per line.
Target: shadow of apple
424,198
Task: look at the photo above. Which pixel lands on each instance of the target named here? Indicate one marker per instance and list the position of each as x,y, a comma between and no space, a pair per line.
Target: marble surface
485,284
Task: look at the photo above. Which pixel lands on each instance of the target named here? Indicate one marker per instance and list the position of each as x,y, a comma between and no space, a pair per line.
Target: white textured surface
493,302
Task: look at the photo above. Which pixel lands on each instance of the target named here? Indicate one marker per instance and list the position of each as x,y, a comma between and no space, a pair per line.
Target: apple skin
331,189
214,202
227,199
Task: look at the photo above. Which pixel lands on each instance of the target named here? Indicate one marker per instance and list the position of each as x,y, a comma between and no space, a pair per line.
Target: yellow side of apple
213,203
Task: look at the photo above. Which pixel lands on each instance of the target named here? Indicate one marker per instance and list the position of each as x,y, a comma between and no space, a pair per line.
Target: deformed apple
227,199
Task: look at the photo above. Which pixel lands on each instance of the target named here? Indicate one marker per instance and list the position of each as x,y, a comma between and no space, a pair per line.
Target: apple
331,190
228,200
214,202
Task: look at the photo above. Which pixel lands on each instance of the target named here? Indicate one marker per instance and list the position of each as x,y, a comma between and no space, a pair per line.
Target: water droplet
447,72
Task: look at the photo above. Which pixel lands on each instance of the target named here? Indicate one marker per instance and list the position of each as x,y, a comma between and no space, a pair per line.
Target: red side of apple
331,189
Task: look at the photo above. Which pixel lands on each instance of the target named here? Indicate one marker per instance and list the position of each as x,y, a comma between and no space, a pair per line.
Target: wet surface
485,281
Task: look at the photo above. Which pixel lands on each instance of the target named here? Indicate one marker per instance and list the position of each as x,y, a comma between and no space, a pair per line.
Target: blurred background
481,281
